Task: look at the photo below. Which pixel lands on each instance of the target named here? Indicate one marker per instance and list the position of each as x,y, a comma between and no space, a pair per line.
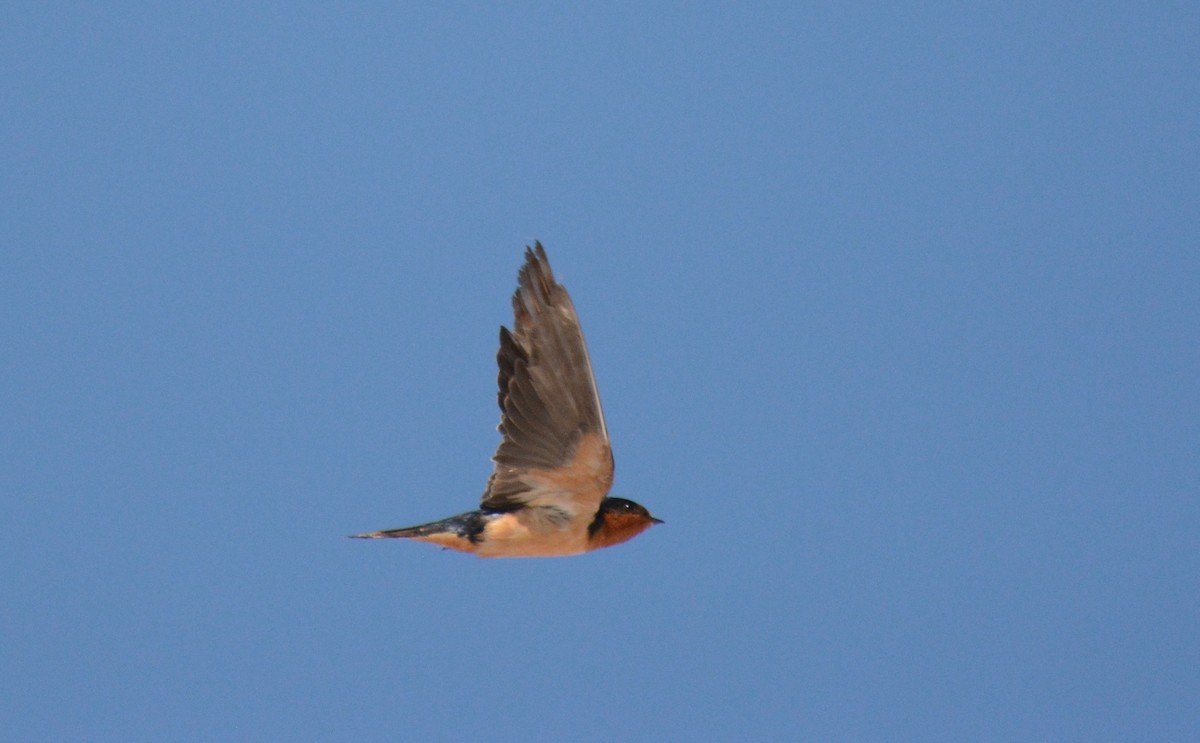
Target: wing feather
549,405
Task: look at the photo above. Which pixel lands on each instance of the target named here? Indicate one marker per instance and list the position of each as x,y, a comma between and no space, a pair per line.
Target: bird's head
618,520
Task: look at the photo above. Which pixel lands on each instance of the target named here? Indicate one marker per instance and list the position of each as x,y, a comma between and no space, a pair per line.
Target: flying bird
548,492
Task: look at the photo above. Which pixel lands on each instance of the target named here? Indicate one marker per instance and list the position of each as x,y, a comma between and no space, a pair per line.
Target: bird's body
547,495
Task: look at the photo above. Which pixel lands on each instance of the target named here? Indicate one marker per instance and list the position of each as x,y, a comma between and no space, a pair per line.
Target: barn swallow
548,492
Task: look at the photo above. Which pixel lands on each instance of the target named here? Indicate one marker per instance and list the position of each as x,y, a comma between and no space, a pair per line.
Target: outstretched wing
555,450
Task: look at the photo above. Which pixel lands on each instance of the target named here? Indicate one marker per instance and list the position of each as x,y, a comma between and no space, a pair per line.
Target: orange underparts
449,541
617,528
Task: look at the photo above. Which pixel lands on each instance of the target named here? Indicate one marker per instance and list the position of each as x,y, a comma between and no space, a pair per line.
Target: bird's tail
407,532
465,525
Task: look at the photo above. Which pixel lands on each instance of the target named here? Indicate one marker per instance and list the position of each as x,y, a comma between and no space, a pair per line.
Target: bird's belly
533,532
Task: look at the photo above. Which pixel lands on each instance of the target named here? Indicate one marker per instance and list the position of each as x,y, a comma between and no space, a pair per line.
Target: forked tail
463,526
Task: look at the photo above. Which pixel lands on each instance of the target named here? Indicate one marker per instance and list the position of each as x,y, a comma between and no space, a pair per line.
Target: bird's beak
657,521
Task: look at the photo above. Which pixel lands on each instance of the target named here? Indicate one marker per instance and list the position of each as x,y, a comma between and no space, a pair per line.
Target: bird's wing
556,449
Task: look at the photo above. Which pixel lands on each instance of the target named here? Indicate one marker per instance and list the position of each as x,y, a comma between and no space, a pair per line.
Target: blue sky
895,314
